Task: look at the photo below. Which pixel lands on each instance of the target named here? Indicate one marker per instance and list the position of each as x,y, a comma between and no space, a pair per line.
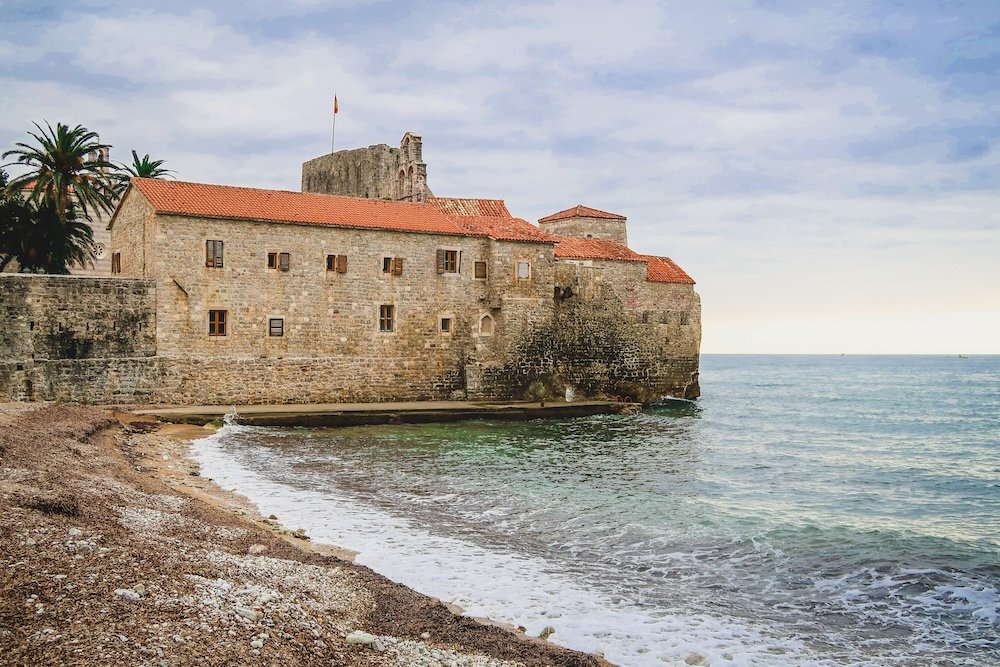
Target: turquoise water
807,510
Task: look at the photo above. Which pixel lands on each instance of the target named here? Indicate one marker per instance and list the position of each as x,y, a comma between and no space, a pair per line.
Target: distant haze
828,174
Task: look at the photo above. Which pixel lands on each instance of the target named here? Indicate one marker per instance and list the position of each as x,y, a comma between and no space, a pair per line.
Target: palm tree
140,168
146,168
69,168
37,238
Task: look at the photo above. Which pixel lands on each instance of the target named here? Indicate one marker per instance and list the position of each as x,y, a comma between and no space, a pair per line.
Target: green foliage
67,169
146,168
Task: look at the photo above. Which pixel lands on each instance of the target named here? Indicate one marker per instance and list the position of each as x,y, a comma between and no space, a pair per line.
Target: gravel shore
113,551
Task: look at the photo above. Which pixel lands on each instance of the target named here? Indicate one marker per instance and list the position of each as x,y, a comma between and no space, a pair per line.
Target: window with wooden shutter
481,270
523,270
387,265
216,323
331,262
397,266
341,263
116,263
284,261
213,254
386,318
272,260
276,326
447,261
440,260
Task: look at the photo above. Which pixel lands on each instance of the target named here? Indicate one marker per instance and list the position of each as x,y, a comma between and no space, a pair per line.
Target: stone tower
376,172
585,222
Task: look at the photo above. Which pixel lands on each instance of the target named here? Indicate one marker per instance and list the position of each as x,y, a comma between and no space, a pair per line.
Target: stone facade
334,299
90,340
376,172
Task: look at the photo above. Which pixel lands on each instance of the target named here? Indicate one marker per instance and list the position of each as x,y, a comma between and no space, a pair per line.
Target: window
336,263
481,270
486,326
523,270
116,263
386,318
272,260
446,325
393,265
276,326
448,261
213,254
284,261
217,323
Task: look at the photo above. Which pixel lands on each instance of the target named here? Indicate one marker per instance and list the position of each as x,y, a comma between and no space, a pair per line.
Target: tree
15,220
69,169
69,179
141,168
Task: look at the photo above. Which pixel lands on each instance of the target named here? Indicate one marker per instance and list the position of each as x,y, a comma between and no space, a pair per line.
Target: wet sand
114,550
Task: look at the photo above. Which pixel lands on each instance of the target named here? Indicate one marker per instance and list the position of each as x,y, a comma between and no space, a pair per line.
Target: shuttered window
331,262
276,326
386,318
217,323
481,270
213,254
284,261
341,263
397,266
116,263
447,261
272,260
523,270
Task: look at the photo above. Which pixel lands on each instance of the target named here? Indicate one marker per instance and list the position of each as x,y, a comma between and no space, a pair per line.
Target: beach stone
75,532
359,637
425,635
127,594
30,542
257,643
256,549
139,588
697,660
546,632
248,614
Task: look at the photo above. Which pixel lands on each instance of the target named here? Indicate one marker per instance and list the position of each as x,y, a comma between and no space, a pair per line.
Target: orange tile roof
490,208
573,247
503,229
664,270
581,211
223,201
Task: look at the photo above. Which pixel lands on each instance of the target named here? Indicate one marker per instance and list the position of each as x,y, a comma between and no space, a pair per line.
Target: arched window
486,325
410,189
400,184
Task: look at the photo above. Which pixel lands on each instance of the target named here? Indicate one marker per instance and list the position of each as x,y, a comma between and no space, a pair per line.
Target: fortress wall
616,335
72,338
361,172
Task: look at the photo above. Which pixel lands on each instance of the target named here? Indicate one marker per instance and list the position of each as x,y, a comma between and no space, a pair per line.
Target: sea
807,510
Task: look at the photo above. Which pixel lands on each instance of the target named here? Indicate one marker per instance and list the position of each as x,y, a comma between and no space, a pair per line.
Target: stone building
246,295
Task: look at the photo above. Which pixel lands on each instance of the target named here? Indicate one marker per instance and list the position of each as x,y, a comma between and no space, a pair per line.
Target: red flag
335,108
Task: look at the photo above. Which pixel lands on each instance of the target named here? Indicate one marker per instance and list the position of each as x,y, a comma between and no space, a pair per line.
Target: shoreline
128,556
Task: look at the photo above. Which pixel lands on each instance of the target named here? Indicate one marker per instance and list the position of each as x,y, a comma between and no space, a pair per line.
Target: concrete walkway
353,414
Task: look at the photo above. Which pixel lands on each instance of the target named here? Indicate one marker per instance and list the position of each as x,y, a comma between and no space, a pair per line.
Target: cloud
784,154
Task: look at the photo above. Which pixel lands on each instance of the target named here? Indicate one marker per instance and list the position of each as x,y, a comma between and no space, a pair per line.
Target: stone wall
331,348
611,334
376,172
598,228
74,338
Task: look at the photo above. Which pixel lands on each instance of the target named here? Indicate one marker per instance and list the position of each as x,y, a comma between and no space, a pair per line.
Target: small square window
272,260
217,322
386,318
331,262
445,325
284,261
481,270
523,270
276,326
387,265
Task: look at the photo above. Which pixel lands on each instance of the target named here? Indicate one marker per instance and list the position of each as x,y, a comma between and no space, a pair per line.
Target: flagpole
333,137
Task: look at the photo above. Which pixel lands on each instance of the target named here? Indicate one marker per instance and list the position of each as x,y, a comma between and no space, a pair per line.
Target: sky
829,173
